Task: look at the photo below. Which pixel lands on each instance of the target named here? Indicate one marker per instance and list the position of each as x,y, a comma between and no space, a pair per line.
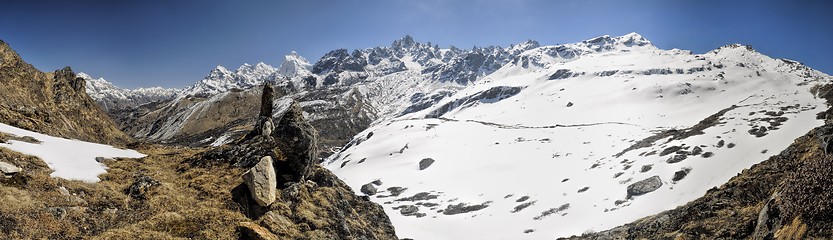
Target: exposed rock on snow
369,189
425,163
644,186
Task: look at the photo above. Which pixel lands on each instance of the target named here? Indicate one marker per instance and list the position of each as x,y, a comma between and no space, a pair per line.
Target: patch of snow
70,159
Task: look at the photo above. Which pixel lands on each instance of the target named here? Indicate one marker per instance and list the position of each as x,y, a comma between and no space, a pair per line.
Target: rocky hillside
266,185
54,103
787,196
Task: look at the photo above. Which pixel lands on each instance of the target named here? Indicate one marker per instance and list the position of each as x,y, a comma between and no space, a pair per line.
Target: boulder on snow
425,163
8,170
645,186
262,181
368,189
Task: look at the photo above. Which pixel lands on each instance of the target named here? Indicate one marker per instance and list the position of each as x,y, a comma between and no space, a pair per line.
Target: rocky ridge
54,103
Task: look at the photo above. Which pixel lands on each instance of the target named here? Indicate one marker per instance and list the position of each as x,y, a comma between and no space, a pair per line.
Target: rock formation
310,201
53,103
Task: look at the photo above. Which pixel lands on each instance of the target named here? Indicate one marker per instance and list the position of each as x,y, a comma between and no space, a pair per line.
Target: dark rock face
645,186
368,189
564,74
296,138
488,96
425,163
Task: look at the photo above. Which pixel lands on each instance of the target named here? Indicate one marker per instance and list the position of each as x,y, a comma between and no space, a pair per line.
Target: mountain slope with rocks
172,192
787,196
53,103
580,137
342,93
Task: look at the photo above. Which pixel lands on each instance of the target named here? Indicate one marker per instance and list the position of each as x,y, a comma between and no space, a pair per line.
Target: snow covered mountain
342,93
565,139
110,97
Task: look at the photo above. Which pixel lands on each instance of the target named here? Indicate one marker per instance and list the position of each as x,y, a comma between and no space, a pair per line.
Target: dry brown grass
191,202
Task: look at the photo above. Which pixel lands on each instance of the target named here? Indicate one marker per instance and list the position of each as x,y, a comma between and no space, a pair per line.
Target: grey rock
425,163
368,189
104,159
645,186
8,169
262,181
141,187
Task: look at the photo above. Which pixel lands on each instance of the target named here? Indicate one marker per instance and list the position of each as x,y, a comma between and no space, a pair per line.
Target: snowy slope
548,145
109,96
70,159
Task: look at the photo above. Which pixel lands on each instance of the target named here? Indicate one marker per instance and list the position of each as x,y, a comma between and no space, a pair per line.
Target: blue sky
176,43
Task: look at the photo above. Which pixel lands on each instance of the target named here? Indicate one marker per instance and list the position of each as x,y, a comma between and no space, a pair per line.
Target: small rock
721,143
368,189
408,210
425,163
696,150
57,212
730,145
707,154
645,186
249,230
63,191
569,104
110,211
679,175
677,158
267,127
646,168
262,181
377,182
104,159
395,191
8,169
141,187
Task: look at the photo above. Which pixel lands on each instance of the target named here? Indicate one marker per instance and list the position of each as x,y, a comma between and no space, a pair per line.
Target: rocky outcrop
262,182
310,202
53,103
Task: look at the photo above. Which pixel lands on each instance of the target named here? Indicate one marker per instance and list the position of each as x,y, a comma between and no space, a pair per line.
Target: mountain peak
632,39
405,42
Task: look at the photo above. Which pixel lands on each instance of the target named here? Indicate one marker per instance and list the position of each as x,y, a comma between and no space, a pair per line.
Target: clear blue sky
175,43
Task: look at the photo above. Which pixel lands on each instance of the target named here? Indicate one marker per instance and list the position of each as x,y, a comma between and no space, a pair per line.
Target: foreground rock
261,181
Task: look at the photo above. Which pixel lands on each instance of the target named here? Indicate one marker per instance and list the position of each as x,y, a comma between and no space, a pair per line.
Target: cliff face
53,103
788,196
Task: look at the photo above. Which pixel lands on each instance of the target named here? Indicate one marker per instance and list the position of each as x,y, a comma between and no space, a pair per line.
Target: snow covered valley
563,141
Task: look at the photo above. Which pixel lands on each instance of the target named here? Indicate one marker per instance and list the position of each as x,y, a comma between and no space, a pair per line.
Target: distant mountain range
517,142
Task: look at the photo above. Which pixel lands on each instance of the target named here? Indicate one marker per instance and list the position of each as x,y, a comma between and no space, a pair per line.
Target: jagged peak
404,42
